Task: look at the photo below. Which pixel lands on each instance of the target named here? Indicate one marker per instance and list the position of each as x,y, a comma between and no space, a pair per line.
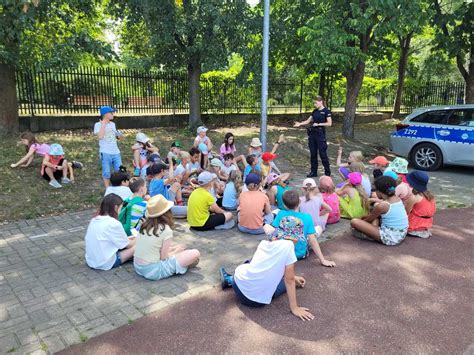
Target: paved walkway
415,298
50,299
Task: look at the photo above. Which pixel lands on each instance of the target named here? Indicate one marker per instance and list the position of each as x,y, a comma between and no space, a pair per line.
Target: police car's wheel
426,156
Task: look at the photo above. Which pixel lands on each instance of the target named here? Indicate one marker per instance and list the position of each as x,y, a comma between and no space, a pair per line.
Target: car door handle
443,133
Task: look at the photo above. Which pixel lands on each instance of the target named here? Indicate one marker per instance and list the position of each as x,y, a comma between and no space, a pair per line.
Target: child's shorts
58,174
392,236
107,160
161,270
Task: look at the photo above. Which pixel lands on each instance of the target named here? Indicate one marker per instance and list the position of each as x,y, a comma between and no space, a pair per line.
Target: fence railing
82,91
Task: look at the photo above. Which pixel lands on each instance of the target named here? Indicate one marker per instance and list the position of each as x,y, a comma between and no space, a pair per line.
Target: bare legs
369,229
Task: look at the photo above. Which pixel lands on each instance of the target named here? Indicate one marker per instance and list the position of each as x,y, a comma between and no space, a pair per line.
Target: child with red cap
379,164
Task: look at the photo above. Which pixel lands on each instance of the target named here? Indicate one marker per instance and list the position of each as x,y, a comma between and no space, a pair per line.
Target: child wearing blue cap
107,134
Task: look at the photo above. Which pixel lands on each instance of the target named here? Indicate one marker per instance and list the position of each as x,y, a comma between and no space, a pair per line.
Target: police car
432,136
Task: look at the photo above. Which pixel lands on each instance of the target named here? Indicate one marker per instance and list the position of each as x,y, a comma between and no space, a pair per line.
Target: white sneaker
55,184
65,180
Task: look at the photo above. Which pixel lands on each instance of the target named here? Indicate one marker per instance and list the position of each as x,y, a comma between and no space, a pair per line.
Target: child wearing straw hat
155,258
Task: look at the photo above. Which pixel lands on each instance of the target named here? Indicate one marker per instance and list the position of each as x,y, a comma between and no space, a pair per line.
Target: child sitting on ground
175,151
107,245
203,212
155,258
275,191
254,207
299,225
229,164
228,147
359,167
120,184
255,148
141,151
353,201
216,168
354,156
403,190
33,148
233,187
327,188
400,166
55,167
202,138
134,207
252,166
388,221
421,207
194,165
168,187
379,163
312,203
269,274
267,166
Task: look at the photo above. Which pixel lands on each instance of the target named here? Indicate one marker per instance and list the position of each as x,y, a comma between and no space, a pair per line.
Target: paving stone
70,337
77,317
53,343
4,326
8,343
26,336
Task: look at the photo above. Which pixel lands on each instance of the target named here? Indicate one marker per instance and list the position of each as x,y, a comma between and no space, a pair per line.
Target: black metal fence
82,91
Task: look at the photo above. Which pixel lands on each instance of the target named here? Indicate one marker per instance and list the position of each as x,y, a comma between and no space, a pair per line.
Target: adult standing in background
320,119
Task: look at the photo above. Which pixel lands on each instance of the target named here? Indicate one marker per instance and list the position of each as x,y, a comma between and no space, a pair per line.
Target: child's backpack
125,215
290,227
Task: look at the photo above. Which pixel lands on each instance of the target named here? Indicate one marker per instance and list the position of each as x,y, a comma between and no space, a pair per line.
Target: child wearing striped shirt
134,208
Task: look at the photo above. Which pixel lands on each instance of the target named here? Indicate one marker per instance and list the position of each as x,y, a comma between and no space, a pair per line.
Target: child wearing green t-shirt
134,208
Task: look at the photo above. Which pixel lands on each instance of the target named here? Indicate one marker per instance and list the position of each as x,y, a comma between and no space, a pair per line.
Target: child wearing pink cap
353,200
327,188
312,203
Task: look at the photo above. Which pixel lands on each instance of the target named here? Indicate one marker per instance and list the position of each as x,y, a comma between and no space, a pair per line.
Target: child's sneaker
77,165
136,172
55,184
226,278
65,180
194,264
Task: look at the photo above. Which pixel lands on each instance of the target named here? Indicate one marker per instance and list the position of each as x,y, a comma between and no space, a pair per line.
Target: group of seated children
55,168
136,214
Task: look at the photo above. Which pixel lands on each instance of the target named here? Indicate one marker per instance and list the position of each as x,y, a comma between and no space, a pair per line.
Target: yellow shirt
148,247
198,207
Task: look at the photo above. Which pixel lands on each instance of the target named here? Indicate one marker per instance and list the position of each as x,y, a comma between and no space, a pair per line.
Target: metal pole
266,41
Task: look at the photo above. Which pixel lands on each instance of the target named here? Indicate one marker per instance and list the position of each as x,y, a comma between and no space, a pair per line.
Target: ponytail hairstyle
309,191
363,196
236,177
109,204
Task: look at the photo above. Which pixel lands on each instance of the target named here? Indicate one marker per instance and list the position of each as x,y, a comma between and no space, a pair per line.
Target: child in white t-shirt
120,184
107,244
269,274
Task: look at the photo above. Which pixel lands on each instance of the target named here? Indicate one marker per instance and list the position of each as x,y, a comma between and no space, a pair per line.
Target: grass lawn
24,194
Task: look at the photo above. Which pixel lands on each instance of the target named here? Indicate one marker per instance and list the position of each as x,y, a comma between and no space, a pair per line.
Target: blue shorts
118,260
107,160
161,270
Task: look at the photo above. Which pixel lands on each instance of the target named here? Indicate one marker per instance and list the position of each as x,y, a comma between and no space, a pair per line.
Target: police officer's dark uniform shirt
319,116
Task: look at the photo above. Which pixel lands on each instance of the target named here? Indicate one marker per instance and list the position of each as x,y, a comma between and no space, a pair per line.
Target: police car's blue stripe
462,135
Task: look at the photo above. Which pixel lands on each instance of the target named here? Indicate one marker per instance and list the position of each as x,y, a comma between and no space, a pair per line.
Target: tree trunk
469,81
402,64
322,84
9,122
354,79
194,75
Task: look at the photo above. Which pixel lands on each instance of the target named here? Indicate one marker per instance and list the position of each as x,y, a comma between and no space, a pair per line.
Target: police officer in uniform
318,121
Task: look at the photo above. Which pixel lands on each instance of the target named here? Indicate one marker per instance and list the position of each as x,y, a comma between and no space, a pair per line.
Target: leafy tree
186,34
342,36
454,24
47,33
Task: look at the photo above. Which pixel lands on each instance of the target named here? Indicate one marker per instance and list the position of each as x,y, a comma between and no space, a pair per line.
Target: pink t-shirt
224,150
40,149
332,200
